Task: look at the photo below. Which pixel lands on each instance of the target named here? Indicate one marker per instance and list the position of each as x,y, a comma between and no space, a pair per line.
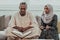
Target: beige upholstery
7,19
2,22
58,25
38,19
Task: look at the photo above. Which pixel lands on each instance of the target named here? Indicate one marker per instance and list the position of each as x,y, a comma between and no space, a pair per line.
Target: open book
21,34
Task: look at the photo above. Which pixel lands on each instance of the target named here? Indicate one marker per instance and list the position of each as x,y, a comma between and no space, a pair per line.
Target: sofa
4,20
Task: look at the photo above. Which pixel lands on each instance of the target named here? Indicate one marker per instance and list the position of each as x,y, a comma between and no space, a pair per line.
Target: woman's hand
48,27
41,27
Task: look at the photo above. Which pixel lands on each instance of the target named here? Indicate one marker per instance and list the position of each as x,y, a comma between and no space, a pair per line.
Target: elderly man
23,21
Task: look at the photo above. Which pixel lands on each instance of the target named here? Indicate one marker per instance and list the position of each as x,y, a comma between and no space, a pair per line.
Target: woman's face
46,9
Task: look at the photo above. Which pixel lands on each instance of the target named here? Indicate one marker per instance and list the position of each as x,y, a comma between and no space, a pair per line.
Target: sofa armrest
2,35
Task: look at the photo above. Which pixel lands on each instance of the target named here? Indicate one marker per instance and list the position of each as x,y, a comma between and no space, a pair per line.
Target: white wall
9,7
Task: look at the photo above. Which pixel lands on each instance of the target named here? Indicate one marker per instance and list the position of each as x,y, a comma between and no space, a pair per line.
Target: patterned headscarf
48,17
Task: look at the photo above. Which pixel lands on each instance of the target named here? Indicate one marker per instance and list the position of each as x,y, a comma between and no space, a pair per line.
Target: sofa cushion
2,35
7,19
38,19
2,22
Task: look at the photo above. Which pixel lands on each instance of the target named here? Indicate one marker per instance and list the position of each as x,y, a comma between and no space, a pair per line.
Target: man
23,21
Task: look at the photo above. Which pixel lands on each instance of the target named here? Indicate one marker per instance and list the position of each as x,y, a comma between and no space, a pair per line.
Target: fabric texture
53,31
24,21
2,22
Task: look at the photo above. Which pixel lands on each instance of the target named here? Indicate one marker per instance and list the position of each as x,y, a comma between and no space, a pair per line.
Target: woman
49,24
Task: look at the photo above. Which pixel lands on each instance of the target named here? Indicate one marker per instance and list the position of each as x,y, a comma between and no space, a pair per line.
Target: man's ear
19,7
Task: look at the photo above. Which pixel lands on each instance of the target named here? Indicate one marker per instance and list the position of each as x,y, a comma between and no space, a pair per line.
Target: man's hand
15,27
24,29
41,27
11,35
18,28
48,27
21,29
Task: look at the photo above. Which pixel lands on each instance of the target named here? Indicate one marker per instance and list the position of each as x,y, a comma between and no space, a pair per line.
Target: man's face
46,9
23,9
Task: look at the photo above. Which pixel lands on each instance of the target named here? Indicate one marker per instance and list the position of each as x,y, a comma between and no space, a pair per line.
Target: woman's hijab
47,17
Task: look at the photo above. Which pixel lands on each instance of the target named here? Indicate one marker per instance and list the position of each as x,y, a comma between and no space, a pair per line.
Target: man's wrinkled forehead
23,4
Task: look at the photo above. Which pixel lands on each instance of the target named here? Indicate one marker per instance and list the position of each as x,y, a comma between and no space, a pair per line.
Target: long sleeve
54,27
42,23
54,22
12,22
9,28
